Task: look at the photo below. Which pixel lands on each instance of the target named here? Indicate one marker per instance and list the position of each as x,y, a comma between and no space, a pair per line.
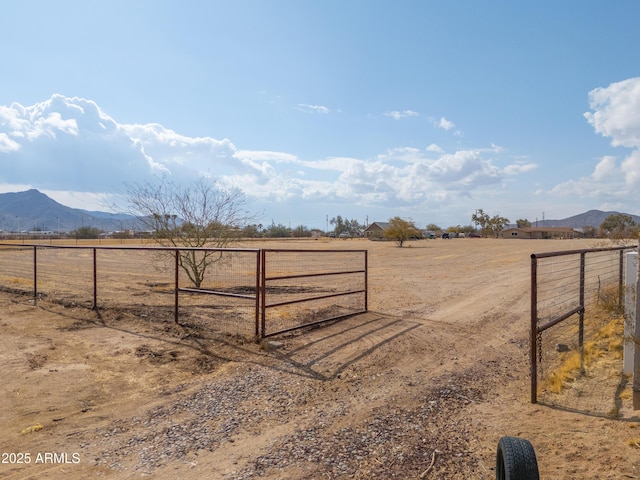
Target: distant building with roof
542,233
376,230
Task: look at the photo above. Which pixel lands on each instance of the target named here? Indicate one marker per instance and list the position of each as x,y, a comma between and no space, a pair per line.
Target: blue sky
427,110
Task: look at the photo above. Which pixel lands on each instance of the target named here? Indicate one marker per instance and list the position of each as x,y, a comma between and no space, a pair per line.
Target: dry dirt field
422,386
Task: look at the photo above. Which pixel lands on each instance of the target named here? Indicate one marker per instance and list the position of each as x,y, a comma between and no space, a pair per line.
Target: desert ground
421,386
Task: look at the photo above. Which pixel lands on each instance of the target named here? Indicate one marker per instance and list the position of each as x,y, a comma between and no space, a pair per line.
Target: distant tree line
616,227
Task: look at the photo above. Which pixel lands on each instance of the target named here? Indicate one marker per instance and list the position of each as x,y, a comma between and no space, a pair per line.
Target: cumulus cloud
605,168
7,144
70,143
519,168
71,147
615,113
446,124
631,168
397,115
607,185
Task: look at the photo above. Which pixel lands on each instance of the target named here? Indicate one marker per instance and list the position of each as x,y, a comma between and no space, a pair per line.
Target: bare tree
196,215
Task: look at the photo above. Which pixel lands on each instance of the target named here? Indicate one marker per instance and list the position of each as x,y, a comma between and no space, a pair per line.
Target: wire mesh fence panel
65,275
217,289
226,298
567,380
555,346
305,287
16,268
603,278
568,289
139,282
558,286
142,281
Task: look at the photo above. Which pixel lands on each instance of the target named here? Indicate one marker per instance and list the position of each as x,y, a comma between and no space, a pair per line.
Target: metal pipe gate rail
328,291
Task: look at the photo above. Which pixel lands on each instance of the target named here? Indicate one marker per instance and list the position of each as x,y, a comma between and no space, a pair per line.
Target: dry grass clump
634,442
605,347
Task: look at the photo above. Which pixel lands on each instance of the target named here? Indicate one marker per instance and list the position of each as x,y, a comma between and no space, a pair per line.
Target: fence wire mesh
140,281
299,287
568,291
304,287
16,273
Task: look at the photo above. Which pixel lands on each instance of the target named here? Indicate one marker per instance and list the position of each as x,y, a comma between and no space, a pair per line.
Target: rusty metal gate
301,288
258,292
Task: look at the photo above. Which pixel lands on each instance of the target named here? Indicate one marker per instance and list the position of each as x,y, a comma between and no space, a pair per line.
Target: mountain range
33,210
592,218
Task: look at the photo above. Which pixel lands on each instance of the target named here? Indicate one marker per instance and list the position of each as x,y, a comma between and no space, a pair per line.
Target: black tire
516,460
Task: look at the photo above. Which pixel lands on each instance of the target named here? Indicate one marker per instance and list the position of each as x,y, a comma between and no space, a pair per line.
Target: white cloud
519,168
7,144
605,168
397,115
71,148
608,184
169,151
264,155
616,112
631,168
303,107
446,124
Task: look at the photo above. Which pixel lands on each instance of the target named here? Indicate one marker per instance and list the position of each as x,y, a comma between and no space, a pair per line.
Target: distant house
542,233
376,230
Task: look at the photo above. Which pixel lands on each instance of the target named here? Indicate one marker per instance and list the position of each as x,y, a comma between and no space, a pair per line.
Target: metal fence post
636,341
35,275
366,280
176,286
534,329
257,291
581,314
263,292
95,279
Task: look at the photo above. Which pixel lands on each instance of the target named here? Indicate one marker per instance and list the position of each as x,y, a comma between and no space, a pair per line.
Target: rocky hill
592,218
33,210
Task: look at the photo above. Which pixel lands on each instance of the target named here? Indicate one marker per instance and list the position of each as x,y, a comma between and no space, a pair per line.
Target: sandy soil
422,386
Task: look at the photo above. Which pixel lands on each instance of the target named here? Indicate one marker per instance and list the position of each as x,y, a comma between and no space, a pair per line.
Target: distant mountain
591,218
33,210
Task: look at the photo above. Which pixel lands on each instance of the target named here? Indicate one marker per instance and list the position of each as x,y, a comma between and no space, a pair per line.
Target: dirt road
422,386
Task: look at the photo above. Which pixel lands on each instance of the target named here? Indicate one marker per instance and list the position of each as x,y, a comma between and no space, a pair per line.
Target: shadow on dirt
590,396
325,352
320,352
